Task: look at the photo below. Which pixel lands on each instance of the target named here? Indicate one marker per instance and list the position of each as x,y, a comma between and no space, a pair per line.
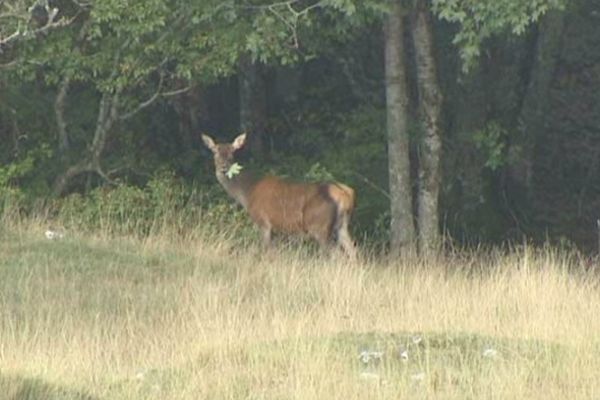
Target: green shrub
164,203
12,195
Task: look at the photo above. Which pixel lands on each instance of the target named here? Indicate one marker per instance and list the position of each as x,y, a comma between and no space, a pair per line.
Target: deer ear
209,143
239,142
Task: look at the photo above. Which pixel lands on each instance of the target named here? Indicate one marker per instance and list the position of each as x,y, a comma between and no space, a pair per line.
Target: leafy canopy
481,19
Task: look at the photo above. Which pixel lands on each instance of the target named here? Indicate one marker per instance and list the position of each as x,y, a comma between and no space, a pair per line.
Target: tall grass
199,314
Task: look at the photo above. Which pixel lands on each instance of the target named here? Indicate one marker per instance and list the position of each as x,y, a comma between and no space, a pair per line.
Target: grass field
166,317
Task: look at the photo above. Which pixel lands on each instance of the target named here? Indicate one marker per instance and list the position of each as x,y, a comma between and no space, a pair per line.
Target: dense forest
476,121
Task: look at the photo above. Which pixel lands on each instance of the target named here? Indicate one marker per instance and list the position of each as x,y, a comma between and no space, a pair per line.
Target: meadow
95,315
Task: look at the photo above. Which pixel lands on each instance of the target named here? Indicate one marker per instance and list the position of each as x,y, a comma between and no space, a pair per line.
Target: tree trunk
402,231
287,85
430,147
59,112
534,109
253,108
107,116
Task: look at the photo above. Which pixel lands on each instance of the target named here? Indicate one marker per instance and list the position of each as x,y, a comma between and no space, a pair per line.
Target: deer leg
322,238
266,252
266,235
322,234
344,239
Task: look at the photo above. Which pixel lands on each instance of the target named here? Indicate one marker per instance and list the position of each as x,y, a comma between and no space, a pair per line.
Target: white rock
404,354
490,353
368,356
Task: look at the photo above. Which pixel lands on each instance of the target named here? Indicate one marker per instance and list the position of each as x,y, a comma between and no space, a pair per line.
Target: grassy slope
107,318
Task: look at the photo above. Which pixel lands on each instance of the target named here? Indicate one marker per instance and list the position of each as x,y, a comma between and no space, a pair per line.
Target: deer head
224,153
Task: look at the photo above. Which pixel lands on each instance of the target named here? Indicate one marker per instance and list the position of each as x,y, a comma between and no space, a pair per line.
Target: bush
12,196
164,203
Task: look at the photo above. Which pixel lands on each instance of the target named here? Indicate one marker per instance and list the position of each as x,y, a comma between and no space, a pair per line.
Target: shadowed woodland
98,99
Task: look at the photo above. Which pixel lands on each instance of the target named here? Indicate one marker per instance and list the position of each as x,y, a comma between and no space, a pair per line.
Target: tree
430,146
123,59
479,20
502,109
253,104
132,54
535,104
402,232
24,20
106,54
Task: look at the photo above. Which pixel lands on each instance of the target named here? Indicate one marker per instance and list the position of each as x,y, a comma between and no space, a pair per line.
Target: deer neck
238,186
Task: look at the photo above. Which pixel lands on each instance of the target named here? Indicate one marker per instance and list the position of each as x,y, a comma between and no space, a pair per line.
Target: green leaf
234,170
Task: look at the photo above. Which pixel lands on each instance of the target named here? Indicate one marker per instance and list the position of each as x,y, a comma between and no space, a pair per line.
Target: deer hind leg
318,219
343,236
320,230
321,234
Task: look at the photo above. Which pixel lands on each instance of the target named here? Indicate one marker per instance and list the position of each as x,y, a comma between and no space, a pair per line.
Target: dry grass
196,318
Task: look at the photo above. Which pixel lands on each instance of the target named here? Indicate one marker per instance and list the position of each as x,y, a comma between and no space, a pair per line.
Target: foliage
119,45
12,194
17,169
163,203
491,140
317,172
171,66
479,20
340,142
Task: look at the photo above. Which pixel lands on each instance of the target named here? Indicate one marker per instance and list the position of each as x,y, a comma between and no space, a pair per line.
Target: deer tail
343,196
344,199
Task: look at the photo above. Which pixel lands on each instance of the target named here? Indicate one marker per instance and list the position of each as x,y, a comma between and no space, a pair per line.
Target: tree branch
146,103
292,22
153,98
373,185
59,112
30,34
287,3
292,25
108,114
176,92
9,64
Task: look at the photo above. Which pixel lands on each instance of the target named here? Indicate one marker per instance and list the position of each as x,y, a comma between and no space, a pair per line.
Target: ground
95,316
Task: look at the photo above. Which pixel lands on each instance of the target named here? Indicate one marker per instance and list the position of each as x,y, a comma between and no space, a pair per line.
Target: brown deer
321,210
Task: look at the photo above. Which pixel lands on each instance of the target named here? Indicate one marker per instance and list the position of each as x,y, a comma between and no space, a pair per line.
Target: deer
320,210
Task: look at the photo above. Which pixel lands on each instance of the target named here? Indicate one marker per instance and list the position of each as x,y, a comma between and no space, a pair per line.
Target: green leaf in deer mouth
233,170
